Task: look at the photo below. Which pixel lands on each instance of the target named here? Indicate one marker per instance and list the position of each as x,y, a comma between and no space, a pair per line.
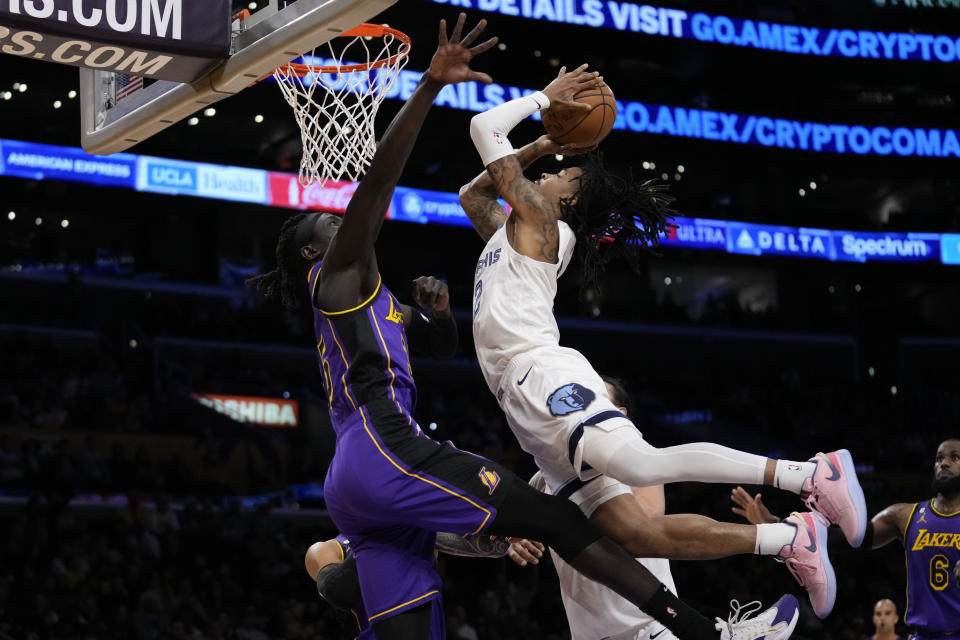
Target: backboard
113,118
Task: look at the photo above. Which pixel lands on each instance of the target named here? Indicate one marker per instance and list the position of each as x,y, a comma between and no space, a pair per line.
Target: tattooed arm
533,229
479,197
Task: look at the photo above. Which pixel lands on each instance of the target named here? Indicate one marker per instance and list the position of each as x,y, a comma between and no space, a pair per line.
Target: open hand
566,85
451,62
523,551
432,295
549,146
752,509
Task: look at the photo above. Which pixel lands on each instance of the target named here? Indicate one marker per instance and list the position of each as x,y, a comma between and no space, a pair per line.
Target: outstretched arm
351,252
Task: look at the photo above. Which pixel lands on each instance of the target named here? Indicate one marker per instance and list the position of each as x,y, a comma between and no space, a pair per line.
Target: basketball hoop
336,104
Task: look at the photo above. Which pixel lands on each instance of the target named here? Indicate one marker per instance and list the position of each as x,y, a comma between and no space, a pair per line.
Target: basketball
583,128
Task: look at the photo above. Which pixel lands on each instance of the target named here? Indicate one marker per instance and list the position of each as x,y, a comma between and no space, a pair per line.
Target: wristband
489,129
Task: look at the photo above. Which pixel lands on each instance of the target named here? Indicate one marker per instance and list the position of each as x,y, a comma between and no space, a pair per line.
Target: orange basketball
583,128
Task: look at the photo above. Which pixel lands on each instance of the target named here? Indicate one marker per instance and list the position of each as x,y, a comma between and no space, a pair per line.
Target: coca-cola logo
333,196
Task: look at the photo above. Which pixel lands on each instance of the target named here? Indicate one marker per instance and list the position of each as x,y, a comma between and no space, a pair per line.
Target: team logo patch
395,315
490,479
570,398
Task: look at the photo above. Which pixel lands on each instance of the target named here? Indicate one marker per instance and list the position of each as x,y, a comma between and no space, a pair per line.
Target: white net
335,101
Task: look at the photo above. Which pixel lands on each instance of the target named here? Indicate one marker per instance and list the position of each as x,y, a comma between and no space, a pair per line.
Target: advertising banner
167,39
40,161
160,175
268,412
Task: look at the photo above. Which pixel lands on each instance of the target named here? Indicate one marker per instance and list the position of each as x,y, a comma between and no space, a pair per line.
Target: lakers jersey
358,613
932,542
363,354
513,302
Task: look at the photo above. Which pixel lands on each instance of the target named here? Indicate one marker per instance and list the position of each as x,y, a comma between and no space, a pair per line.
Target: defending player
554,401
389,486
333,567
930,533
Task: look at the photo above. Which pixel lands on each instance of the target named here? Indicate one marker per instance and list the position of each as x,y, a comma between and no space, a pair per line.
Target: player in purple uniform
332,565
389,487
930,533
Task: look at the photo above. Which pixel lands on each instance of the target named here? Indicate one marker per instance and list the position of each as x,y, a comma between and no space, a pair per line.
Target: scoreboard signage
176,40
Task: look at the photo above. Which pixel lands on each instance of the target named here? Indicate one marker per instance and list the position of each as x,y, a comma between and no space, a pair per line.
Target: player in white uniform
556,404
594,611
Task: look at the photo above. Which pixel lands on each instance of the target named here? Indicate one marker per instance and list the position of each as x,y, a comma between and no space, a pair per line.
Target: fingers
443,32
525,551
478,76
740,496
483,46
455,36
428,292
739,512
474,33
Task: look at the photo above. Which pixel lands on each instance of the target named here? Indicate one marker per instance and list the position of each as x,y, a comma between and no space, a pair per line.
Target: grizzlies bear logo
570,398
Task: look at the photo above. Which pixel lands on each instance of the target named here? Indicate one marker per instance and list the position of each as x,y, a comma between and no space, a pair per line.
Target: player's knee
312,559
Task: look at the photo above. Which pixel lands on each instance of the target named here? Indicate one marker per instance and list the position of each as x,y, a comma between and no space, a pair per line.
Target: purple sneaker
835,492
807,560
776,623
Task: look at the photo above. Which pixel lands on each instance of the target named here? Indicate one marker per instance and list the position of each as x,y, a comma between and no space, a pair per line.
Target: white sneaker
776,623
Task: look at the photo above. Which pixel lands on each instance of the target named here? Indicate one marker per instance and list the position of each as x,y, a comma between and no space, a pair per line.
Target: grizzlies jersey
932,543
363,354
513,302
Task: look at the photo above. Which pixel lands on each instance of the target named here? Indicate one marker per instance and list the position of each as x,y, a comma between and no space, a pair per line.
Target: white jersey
594,611
513,302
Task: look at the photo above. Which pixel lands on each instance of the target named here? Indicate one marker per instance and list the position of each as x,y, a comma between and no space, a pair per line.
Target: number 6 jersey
932,544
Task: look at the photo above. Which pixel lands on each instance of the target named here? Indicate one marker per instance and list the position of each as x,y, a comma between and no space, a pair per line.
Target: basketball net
336,103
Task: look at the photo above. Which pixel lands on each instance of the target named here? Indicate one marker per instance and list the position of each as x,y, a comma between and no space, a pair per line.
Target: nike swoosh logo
654,635
834,472
812,547
520,381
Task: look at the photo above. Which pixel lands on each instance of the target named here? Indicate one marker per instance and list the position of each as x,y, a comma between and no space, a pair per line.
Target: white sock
790,475
771,538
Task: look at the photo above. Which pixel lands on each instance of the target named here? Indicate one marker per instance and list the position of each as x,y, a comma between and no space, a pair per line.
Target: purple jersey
363,354
356,611
932,543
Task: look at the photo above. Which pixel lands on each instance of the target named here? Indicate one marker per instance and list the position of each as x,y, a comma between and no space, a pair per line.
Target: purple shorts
390,490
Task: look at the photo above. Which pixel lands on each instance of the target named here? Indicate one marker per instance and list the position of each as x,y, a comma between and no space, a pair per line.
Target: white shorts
548,396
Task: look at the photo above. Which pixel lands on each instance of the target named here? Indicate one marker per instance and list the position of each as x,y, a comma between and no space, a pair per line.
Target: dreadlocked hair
287,280
614,217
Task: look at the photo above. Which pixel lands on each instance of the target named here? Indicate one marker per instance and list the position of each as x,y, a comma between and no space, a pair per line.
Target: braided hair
286,281
614,217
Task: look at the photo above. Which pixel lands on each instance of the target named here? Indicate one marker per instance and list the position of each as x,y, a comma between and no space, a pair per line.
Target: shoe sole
821,533
855,491
783,634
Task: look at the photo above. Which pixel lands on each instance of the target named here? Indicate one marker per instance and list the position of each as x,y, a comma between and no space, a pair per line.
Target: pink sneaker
835,492
807,560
